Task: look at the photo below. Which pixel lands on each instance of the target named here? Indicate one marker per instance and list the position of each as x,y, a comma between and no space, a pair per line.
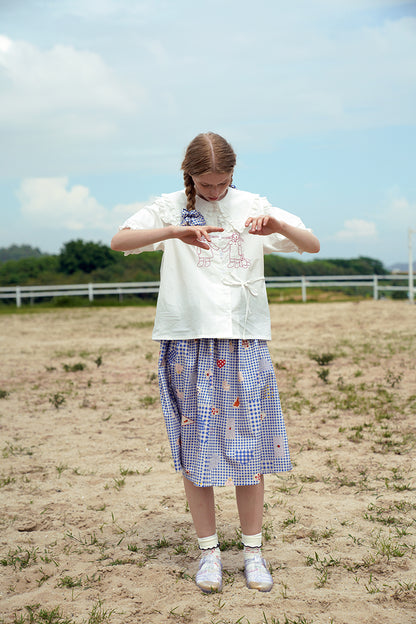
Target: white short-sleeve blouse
220,292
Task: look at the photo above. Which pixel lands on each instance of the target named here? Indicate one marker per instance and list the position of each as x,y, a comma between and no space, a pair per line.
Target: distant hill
401,267
17,252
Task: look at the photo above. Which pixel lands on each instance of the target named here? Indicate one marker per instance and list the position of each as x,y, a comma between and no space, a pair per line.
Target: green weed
57,399
73,368
148,401
11,449
20,558
37,615
322,566
322,359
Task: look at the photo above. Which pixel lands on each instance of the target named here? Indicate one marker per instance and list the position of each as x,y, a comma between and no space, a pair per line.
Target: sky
99,99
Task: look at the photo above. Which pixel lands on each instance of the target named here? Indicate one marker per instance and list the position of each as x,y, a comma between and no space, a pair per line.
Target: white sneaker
209,576
257,574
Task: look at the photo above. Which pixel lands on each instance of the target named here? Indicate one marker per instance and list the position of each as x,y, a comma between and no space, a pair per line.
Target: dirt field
94,525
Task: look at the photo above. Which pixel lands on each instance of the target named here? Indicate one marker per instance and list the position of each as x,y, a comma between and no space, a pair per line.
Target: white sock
207,543
252,544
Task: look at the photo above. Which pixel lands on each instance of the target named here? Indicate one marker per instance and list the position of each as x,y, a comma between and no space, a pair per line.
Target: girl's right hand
197,235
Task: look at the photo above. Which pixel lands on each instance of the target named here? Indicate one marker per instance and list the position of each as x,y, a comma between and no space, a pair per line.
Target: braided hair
207,153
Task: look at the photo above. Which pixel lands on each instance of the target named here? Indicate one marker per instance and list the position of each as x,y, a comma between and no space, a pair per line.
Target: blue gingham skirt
222,410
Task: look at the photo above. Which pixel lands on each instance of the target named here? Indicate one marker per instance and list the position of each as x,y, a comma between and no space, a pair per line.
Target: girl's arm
265,225
127,239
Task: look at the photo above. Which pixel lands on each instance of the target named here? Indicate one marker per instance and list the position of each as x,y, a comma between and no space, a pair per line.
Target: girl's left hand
263,225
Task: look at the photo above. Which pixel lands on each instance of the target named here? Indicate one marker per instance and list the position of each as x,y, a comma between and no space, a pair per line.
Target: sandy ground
94,525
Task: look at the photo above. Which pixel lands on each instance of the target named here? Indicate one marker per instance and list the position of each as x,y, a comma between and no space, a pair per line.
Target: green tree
79,255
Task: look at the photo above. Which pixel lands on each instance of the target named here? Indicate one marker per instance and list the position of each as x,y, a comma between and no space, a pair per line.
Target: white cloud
60,90
142,76
357,229
51,203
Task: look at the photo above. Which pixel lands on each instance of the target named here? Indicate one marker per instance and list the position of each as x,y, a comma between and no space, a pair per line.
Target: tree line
81,261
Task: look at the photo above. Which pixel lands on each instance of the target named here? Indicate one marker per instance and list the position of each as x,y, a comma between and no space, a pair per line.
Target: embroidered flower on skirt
192,217
222,410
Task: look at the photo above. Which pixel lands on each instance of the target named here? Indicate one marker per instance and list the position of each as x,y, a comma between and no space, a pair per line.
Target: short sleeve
165,210
143,219
277,242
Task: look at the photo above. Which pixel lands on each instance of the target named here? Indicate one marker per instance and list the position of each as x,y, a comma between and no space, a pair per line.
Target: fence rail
377,283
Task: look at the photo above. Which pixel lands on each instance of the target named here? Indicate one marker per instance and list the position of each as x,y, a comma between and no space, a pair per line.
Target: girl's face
212,186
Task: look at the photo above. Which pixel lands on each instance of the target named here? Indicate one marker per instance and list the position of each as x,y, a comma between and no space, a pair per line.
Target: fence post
303,279
18,297
90,292
375,287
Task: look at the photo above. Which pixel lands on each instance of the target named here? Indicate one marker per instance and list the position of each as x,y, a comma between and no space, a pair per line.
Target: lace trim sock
251,541
206,543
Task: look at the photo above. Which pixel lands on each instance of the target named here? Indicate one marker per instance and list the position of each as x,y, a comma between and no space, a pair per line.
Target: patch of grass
299,620
4,481
290,520
322,359
323,374
70,582
230,543
11,449
322,566
160,543
3,394
57,400
148,401
20,558
387,515
61,468
73,368
37,615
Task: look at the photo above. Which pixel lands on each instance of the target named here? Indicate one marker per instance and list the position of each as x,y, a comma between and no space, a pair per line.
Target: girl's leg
250,500
202,506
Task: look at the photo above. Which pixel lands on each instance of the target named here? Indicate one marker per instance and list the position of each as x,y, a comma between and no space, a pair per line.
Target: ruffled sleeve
278,242
165,210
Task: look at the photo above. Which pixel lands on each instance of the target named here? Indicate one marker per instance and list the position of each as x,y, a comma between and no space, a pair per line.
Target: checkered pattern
222,410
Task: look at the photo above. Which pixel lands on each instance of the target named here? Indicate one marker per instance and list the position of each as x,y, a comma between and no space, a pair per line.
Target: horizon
100,98
292,256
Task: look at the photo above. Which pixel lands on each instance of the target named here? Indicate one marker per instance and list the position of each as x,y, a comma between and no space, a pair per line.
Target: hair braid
189,191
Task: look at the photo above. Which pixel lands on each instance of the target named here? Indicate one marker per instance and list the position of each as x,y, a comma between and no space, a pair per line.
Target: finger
257,225
204,234
201,244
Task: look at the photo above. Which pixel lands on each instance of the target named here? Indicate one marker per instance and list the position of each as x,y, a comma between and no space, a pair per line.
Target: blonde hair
206,153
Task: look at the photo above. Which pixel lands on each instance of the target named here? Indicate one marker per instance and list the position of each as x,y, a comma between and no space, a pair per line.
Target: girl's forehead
212,178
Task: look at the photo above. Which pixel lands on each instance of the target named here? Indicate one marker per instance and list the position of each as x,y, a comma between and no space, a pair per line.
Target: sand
94,524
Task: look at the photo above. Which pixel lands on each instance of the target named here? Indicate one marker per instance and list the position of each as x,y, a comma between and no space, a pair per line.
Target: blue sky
99,98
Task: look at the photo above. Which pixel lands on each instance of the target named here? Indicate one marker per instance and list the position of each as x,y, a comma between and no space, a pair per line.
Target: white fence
376,283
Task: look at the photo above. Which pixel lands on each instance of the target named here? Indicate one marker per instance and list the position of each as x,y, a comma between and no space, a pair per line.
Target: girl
218,389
